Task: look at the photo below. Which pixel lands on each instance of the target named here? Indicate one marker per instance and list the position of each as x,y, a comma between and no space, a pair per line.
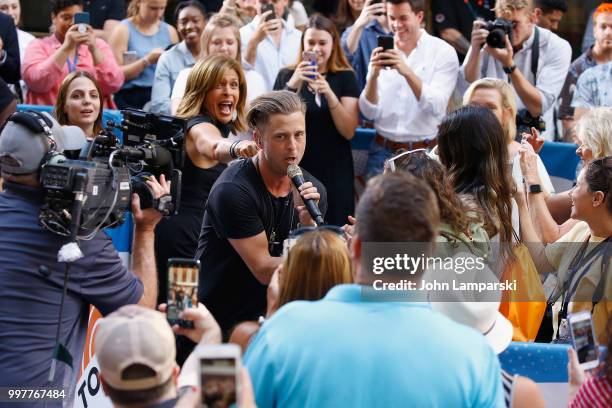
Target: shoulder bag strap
535,54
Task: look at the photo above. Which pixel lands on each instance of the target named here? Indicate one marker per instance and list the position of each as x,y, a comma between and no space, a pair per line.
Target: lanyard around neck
72,65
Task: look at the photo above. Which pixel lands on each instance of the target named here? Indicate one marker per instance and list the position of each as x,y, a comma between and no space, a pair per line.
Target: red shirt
594,393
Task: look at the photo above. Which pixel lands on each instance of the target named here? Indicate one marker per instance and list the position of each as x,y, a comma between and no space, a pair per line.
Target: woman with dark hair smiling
79,103
190,18
72,47
329,87
472,147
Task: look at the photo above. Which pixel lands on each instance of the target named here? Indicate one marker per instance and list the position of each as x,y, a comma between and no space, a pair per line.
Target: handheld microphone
297,177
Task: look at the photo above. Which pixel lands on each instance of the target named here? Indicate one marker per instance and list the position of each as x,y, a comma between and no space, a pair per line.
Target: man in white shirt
408,87
270,45
536,95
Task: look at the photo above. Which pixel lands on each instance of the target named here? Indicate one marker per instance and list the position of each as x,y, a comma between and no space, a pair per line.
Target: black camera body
498,29
524,123
104,177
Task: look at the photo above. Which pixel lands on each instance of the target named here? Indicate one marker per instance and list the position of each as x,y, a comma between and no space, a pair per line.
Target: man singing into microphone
251,209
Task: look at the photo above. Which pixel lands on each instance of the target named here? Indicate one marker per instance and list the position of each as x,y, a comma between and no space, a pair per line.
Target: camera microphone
155,156
297,177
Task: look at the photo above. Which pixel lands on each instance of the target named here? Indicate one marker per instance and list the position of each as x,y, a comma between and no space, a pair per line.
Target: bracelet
232,149
335,106
288,88
146,62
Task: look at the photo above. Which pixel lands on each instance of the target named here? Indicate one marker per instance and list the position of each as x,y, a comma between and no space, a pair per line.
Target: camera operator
250,211
534,60
32,278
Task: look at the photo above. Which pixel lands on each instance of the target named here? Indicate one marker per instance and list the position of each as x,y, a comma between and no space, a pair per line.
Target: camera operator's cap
135,335
22,150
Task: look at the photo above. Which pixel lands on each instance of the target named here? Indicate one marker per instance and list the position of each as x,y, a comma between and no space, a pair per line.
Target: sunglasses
390,163
298,232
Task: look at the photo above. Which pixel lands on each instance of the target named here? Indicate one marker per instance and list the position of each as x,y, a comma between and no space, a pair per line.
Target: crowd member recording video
250,211
325,81
32,278
579,261
137,44
472,147
213,107
79,103
221,36
319,261
589,389
70,48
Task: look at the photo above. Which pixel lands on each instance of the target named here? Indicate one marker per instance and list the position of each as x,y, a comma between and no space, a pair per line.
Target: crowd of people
459,113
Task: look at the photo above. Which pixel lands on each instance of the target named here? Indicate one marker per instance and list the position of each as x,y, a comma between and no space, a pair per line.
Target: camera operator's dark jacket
31,281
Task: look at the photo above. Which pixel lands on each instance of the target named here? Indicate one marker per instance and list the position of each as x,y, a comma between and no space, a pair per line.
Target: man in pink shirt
72,47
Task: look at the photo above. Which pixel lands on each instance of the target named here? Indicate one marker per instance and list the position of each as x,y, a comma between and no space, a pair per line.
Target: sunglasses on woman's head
390,163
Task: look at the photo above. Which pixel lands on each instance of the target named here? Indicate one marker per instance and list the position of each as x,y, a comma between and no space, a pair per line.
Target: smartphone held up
311,58
583,340
219,375
183,276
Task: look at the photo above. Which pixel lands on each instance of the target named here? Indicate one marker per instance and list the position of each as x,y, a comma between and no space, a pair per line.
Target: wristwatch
509,70
535,188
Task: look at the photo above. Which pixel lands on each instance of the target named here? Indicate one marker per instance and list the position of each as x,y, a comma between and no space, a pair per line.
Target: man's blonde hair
594,130
507,97
508,6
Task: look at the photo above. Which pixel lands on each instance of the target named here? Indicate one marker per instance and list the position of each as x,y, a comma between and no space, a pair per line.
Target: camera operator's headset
38,123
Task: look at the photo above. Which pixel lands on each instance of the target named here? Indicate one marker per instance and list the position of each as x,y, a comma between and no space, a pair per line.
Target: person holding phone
360,39
269,43
590,388
408,100
326,82
137,44
50,59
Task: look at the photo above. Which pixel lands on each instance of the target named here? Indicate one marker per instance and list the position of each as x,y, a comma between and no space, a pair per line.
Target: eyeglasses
298,232
390,163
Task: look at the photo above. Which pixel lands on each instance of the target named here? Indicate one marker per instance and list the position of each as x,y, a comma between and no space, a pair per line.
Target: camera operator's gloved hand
146,220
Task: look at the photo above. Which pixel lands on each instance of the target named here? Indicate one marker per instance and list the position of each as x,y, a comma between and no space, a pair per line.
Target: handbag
525,306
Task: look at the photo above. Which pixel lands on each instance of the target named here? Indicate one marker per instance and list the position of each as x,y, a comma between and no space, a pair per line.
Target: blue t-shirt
143,44
30,298
342,351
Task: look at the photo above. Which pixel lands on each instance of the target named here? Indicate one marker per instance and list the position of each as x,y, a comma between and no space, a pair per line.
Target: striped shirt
508,384
594,393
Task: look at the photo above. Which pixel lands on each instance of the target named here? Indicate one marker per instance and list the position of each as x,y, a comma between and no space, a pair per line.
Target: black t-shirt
102,10
460,14
240,206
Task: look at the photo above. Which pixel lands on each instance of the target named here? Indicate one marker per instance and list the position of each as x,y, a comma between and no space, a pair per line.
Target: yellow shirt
560,255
